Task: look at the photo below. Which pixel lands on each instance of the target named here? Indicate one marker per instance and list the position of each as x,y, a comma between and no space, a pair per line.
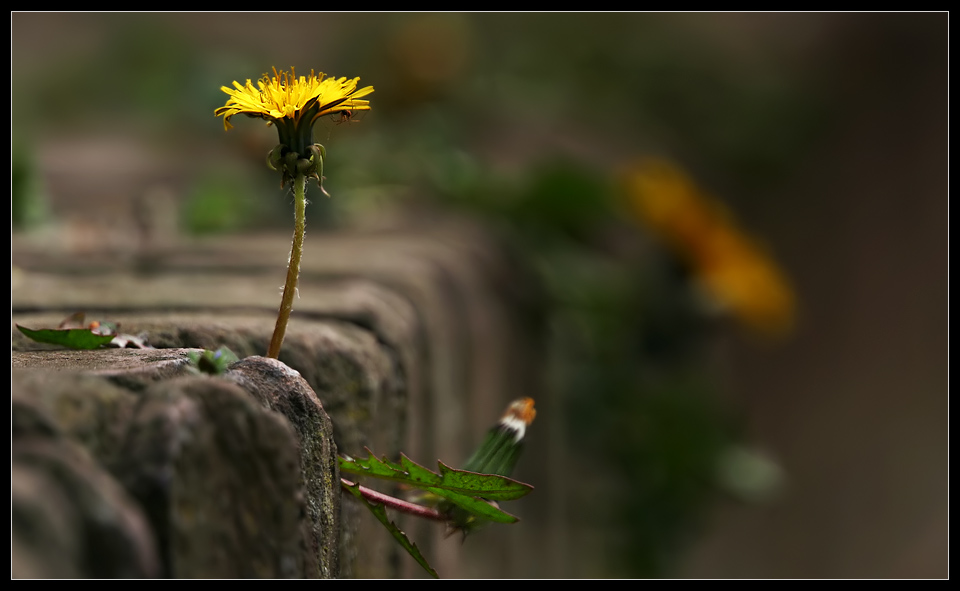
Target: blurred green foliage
628,360
27,204
219,203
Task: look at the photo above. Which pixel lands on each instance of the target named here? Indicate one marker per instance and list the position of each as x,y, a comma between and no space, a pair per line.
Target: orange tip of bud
521,410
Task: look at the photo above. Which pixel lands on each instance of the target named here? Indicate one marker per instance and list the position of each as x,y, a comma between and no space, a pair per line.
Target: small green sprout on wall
212,362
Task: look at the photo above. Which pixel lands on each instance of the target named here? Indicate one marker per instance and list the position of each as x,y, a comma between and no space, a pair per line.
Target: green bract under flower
294,104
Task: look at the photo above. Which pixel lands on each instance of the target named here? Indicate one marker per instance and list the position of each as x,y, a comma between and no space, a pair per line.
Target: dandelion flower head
299,100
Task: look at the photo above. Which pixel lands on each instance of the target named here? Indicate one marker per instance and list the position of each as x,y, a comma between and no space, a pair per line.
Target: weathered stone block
69,517
412,339
219,479
211,473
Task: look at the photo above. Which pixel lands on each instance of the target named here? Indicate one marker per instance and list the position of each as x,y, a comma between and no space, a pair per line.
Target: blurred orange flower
735,272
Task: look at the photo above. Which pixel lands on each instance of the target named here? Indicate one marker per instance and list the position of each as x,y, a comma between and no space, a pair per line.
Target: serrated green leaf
381,514
475,506
418,473
74,338
372,466
488,486
468,490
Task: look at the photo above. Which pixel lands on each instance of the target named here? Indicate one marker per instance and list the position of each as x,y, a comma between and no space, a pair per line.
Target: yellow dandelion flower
730,267
294,104
284,96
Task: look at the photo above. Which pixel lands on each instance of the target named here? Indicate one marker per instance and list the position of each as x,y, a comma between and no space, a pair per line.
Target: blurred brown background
825,134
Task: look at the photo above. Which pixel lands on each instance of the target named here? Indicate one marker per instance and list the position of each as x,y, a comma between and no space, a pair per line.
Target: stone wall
409,340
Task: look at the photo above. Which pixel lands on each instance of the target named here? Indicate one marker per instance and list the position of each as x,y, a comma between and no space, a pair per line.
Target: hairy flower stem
407,507
293,269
